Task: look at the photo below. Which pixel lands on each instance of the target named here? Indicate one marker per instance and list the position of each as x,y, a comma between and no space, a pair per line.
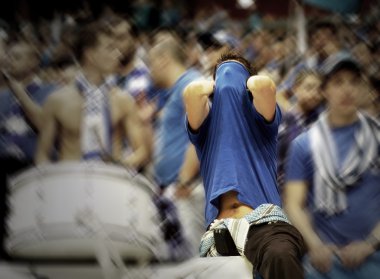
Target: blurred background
38,39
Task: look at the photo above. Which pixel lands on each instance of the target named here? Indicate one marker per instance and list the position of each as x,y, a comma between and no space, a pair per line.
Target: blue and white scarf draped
15,127
96,128
239,228
330,181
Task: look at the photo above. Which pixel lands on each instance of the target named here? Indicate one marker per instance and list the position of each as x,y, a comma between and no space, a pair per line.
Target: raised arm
32,110
263,90
196,98
138,135
47,134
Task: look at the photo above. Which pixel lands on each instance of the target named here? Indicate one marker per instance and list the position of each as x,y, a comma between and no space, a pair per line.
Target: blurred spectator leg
191,214
9,166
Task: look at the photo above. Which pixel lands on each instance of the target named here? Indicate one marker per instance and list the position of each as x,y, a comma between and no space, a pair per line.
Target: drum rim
44,235
103,169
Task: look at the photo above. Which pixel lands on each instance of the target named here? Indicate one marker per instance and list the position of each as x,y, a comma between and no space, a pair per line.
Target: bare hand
321,258
182,192
205,87
354,254
261,84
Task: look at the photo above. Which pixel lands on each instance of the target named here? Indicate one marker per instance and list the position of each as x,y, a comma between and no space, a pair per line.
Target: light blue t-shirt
363,199
236,146
172,141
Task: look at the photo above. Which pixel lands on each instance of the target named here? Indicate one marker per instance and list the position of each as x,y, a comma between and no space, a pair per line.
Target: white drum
65,210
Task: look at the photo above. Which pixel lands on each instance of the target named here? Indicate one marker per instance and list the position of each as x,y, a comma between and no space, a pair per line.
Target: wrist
182,183
373,241
314,244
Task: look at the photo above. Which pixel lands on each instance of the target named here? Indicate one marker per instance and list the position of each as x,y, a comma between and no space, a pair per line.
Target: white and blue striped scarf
239,228
330,181
96,122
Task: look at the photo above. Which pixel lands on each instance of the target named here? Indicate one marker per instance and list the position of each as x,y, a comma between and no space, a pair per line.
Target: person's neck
174,73
300,109
336,120
126,69
93,76
373,109
25,79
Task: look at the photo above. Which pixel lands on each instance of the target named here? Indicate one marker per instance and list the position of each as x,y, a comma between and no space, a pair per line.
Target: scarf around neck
96,120
331,181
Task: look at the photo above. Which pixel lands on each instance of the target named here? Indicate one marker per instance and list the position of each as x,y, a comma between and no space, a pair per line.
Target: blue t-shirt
18,138
236,146
363,199
172,141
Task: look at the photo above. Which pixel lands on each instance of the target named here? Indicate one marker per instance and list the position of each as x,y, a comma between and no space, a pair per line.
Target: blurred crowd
109,88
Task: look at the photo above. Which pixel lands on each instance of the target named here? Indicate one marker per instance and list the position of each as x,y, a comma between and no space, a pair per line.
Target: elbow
146,156
40,159
142,156
196,90
261,85
188,93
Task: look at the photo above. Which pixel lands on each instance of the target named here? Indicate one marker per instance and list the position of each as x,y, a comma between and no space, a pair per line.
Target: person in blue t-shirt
332,192
234,130
169,71
175,167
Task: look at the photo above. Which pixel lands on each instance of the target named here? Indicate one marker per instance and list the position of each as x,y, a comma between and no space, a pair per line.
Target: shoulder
61,94
190,75
373,122
122,99
44,91
301,144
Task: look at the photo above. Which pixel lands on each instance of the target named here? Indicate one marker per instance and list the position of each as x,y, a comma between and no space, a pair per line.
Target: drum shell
66,210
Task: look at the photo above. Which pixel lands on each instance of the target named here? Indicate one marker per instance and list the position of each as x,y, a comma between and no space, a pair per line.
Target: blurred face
104,56
369,95
362,54
324,42
68,74
22,59
124,40
157,63
307,93
321,37
343,92
278,50
212,56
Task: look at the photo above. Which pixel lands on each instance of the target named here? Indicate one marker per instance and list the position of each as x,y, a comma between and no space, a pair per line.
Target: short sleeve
298,165
198,137
272,126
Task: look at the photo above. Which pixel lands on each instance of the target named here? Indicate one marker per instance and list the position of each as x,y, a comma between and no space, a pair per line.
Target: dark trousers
276,250
9,166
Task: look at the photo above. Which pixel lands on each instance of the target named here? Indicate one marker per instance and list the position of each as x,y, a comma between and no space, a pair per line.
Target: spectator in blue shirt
332,192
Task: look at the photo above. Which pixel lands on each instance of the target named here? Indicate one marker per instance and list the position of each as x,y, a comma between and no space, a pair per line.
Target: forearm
374,237
32,110
263,91
299,217
137,159
41,157
189,171
196,99
190,167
